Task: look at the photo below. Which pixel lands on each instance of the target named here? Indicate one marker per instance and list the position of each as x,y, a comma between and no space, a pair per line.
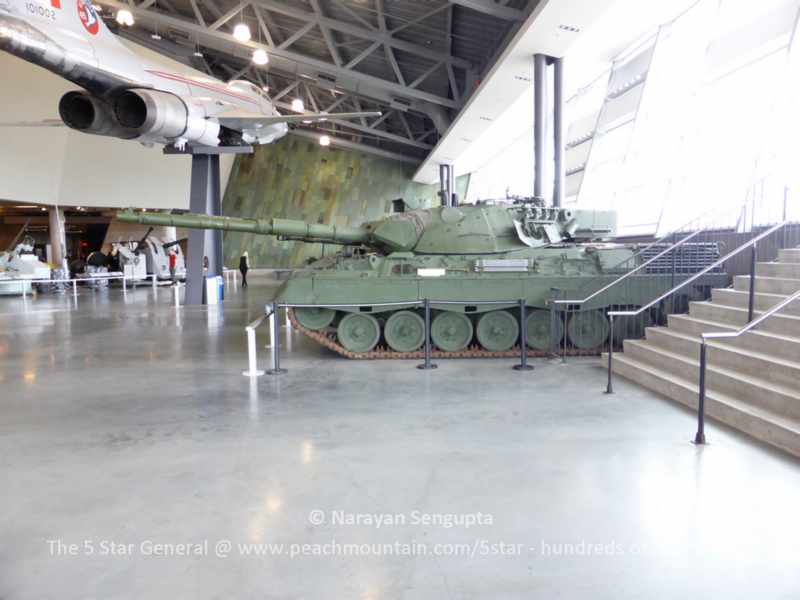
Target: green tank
460,256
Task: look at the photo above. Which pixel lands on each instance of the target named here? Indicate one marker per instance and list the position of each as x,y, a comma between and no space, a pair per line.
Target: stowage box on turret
490,251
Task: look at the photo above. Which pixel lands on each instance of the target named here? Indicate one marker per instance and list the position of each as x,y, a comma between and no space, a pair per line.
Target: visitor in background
244,266
173,265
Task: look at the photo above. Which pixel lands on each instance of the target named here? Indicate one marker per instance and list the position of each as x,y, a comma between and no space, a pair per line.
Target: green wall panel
296,178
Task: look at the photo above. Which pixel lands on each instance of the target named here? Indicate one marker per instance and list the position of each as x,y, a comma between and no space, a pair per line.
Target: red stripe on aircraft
55,3
206,86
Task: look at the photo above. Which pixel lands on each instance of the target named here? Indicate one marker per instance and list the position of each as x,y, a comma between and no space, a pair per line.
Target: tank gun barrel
310,232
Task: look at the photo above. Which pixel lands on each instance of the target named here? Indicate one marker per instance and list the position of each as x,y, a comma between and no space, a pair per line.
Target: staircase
753,381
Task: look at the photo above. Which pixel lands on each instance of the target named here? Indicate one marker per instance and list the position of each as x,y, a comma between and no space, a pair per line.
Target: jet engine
156,115
89,114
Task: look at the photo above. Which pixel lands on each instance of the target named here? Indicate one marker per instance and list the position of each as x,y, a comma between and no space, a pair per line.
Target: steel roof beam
286,60
342,143
490,7
382,36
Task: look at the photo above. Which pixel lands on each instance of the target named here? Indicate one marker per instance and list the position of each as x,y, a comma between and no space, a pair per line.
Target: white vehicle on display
158,252
132,262
125,97
23,264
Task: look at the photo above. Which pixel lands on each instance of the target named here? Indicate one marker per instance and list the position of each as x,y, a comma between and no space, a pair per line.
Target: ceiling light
298,106
325,141
242,32
155,36
266,89
570,28
260,57
125,17
198,54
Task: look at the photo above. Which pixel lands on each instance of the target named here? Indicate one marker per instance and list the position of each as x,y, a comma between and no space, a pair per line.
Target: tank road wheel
588,330
498,330
404,331
314,318
539,330
358,332
451,331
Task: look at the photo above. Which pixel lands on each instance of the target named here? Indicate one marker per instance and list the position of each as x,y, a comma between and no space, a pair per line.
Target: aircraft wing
248,122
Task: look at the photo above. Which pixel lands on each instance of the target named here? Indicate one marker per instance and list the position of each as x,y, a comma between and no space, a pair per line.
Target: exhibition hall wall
298,179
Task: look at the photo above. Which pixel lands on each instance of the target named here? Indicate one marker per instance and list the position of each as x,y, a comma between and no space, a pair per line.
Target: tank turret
474,229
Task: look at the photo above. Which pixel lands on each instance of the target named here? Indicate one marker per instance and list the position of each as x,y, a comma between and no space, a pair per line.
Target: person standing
173,265
244,266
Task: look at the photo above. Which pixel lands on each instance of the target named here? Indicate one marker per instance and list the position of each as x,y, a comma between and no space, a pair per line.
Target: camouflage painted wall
296,178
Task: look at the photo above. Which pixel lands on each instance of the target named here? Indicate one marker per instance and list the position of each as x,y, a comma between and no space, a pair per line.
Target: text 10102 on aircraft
125,97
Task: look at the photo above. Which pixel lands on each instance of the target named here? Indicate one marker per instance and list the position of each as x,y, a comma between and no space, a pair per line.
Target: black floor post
700,436
276,346
427,365
523,340
610,384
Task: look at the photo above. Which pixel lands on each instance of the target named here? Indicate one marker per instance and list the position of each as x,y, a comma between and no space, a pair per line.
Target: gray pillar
447,185
205,197
58,242
539,122
558,131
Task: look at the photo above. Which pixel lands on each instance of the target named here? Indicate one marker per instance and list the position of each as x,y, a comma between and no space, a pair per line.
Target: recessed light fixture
125,17
260,57
325,141
570,28
487,119
242,32
155,36
298,106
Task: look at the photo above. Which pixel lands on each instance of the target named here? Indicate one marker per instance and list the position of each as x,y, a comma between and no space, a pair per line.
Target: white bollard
252,371
177,295
74,289
124,285
154,281
272,339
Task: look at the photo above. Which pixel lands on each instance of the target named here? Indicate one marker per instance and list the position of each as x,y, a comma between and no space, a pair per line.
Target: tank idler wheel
539,326
314,318
498,330
588,330
404,331
359,332
451,331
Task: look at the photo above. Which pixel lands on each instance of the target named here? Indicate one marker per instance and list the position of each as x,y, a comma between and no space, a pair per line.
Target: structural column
539,122
558,131
58,242
205,198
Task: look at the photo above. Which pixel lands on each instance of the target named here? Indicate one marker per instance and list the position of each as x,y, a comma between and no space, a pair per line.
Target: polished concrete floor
127,432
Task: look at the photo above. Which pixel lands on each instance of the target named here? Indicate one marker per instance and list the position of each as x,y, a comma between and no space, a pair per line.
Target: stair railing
706,224
752,244
700,436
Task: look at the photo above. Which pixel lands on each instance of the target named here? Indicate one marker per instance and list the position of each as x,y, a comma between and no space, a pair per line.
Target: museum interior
399,299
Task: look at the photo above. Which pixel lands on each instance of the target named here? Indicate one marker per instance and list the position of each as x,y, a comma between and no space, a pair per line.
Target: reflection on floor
125,424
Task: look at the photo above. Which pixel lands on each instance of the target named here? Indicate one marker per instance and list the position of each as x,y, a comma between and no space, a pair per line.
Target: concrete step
747,361
767,285
763,302
790,255
759,423
777,269
780,346
719,313
757,391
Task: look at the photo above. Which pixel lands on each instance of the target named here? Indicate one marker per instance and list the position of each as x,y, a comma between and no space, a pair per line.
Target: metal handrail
696,276
630,273
700,436
752,243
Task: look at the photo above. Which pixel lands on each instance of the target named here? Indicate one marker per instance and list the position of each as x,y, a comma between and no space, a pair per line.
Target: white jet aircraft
125,98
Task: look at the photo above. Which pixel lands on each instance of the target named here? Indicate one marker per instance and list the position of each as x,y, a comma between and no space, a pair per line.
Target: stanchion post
74,289
155,280
751,300
523,340
610,385
427,365
700,436
276,342
252,370
177,294
124,284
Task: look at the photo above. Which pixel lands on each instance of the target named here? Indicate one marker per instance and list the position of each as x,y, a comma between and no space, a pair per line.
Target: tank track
328,340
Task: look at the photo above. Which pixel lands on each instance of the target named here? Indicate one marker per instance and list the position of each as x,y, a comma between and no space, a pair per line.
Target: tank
458,257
